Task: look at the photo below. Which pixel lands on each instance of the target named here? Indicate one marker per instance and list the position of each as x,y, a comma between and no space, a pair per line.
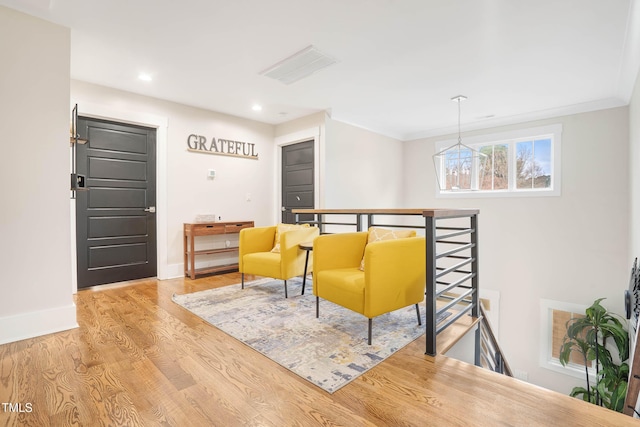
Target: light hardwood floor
139,359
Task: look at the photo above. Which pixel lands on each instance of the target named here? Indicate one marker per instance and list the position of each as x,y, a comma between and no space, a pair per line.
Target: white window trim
496,138
546,323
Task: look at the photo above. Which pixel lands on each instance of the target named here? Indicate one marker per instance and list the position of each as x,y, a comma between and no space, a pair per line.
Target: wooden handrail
495,354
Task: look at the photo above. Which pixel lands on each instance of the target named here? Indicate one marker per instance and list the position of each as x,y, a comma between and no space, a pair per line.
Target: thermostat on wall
211,173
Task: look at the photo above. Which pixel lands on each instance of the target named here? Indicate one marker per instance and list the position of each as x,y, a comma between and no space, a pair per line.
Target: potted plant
589,336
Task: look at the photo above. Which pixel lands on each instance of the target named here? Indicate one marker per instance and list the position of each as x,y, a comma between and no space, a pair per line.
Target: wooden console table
191,231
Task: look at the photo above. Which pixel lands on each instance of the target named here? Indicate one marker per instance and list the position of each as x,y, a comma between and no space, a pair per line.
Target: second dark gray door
297,180
115,218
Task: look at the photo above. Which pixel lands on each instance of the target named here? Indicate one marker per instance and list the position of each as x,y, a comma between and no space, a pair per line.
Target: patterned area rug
330,351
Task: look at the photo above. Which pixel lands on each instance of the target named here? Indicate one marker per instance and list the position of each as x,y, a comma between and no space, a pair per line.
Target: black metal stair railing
451,268
491,356
452,271
451,257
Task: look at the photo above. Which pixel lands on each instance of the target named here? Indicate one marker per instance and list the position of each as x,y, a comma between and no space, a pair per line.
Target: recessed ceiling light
145,77
256,107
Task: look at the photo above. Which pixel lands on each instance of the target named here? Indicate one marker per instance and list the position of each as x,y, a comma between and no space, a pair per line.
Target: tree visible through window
533,164
512,162
495,173
458,166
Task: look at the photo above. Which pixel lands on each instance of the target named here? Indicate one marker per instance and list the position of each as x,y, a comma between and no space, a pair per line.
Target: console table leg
193,257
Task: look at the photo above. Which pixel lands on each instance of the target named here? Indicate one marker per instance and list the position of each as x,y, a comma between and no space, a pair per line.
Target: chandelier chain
459,132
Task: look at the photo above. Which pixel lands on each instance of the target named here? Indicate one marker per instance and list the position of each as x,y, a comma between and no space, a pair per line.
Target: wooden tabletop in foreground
464,392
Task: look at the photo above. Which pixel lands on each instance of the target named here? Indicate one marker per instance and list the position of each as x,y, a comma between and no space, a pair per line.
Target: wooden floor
139,359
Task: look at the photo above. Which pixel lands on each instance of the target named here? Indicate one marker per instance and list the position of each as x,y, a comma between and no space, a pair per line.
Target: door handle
283,209
151,209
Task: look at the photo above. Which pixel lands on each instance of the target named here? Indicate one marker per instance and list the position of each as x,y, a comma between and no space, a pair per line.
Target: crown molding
586,107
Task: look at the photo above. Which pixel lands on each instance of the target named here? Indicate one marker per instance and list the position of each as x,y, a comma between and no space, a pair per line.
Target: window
495,167
521,163
554,316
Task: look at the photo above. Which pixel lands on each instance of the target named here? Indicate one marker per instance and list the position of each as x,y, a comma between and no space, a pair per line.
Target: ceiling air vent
299,65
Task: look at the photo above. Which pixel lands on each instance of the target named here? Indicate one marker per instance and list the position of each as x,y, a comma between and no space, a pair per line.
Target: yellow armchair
255,256
393,276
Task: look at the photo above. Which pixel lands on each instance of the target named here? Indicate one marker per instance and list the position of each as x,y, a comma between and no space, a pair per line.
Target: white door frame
160,124
294,138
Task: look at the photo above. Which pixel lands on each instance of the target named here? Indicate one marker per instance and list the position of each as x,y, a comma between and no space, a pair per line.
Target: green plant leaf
589,336
581,391
618,397
568,346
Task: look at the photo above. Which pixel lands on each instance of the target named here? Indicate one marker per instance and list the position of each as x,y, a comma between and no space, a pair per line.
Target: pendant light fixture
459,167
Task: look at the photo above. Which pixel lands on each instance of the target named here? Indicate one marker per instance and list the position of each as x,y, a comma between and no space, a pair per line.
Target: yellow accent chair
260,254
393,277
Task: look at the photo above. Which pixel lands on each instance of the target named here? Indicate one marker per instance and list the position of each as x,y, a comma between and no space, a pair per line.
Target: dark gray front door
297,180
115,218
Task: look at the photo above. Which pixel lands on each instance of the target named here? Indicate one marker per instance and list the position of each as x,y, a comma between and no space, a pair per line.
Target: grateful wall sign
221,147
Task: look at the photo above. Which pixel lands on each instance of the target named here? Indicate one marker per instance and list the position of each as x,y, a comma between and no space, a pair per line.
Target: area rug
329,352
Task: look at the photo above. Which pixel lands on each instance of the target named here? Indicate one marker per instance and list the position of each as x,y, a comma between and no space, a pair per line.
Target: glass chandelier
459,167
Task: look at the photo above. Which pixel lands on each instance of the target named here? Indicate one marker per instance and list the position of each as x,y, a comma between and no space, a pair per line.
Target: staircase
491,356
451,237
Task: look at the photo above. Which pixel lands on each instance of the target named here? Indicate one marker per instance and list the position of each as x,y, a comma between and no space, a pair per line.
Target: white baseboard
33,324
174,271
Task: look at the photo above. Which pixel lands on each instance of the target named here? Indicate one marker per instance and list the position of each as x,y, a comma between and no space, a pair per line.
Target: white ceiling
399,61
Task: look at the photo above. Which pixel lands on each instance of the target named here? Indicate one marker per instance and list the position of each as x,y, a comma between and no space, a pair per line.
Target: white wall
189,192
363,169
634,165
303,123
571,248
34,170
358,168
